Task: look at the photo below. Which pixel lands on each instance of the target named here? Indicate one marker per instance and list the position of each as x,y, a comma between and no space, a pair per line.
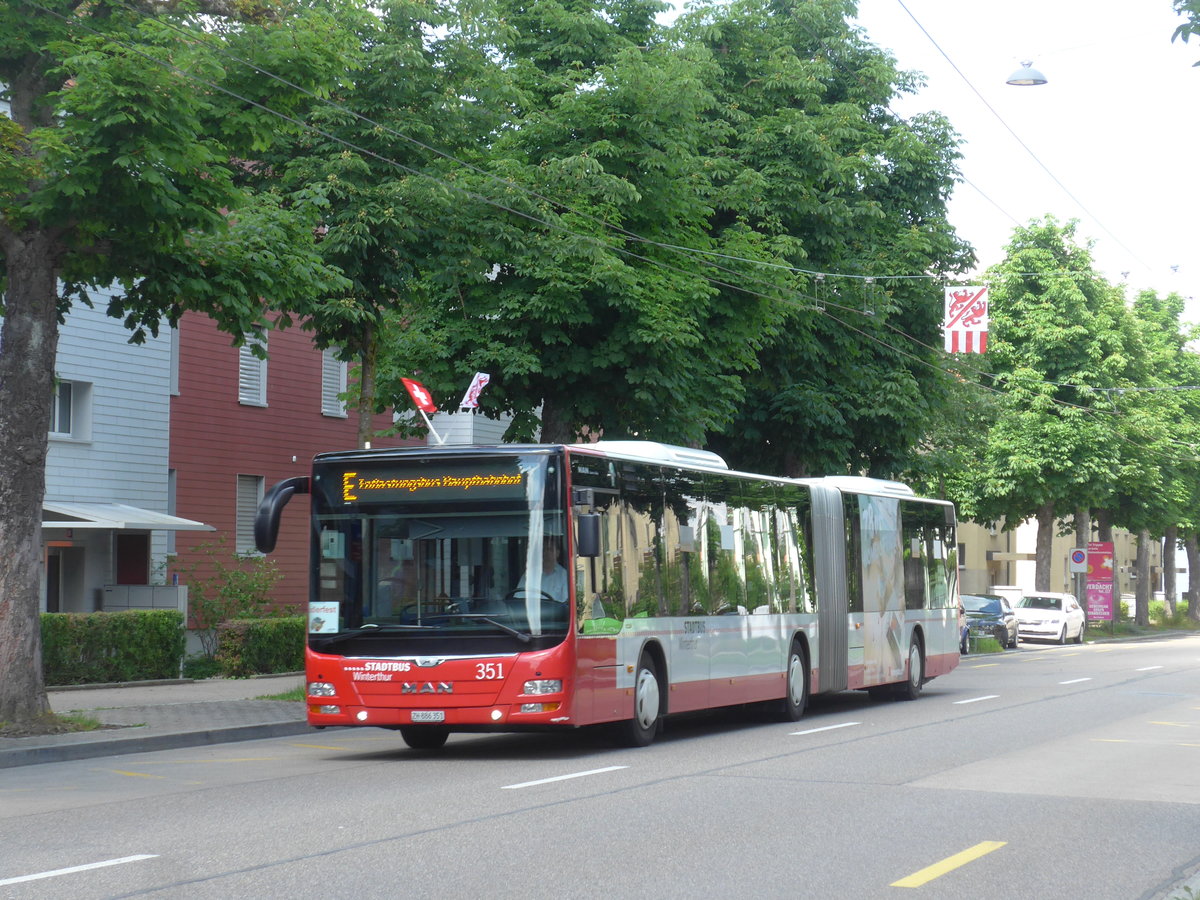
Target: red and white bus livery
549,586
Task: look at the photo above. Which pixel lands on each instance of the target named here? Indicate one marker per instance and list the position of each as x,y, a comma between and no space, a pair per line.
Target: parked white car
1050,617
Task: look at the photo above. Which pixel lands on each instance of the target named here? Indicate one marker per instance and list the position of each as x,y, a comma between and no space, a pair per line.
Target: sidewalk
163,716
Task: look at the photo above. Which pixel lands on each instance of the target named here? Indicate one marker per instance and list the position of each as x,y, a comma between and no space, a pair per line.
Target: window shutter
333,383
249,493
252,374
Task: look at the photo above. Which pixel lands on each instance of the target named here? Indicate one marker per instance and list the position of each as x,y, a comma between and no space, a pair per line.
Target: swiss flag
420,395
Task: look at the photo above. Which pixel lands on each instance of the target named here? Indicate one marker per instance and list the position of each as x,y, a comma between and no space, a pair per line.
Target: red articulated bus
514,587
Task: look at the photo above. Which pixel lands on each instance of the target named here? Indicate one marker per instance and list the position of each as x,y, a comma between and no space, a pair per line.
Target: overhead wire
1016,136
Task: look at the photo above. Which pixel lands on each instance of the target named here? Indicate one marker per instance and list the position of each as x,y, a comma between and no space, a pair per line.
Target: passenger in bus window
554,576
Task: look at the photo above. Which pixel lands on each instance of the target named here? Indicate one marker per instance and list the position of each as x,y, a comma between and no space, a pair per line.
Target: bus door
829,549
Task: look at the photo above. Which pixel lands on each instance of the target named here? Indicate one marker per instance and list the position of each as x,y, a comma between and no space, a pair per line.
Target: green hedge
261,646
101,647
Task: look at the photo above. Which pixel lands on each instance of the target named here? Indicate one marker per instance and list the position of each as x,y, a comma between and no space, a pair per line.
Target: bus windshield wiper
480,617
370,629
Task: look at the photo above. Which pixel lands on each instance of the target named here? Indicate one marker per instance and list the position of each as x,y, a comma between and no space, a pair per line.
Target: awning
113,516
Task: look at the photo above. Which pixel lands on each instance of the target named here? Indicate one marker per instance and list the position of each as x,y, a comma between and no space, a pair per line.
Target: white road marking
1075,681
1148,669
976,699
73,869
827,728
525,784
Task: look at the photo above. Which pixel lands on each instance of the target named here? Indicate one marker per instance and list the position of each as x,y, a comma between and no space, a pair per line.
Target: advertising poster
1100,581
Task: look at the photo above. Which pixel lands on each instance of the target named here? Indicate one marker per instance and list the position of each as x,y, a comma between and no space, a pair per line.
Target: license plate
429,715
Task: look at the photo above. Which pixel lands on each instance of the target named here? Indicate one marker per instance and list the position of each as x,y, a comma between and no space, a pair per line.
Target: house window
252,373
249,493
71,411
333,384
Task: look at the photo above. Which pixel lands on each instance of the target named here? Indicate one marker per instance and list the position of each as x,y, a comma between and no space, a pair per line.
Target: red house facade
239,425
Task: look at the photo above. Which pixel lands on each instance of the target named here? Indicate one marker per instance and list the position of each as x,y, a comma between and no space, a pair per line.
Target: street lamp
1026,75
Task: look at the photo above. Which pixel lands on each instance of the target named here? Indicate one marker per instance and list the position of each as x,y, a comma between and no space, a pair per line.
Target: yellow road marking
949,864
985,665
319,746
134,774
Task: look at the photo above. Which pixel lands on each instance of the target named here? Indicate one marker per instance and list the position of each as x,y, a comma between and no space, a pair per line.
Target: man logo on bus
348,486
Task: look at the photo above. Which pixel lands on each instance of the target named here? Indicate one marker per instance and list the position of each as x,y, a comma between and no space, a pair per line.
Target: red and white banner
420,395
470,399
965,327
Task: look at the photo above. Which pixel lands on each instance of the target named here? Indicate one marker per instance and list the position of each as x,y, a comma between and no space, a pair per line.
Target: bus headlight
320,689
544,686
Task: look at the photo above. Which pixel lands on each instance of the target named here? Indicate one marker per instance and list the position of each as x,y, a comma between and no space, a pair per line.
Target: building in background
239,424
107,516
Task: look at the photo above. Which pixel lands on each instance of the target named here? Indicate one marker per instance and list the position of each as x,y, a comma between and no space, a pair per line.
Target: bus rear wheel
792,706
424,737
641,730
911,688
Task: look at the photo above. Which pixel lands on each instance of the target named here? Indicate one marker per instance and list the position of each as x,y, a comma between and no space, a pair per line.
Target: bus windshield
439,556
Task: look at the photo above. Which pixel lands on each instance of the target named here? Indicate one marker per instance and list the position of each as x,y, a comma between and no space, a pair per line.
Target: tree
576,295
1190,9
124,163
1159,424
388,153
1058,331
814,159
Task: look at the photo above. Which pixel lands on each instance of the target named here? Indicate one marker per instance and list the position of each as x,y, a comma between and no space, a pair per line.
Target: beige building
992,556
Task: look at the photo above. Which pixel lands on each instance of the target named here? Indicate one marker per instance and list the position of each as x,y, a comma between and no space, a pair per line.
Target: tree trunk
1191,546
1142,586
368,361
1083,537
556,429
1104,526
1170,541
1045,545
1083,527
28,344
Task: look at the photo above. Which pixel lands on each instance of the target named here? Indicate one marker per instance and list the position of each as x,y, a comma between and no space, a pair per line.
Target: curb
119,746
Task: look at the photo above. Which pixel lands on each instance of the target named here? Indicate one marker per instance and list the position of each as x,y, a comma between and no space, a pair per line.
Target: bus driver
554,576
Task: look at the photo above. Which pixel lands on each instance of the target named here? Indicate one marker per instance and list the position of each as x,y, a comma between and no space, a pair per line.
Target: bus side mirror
266,520
588,542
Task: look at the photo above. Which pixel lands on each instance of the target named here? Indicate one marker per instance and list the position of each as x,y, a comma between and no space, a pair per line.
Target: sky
1112,139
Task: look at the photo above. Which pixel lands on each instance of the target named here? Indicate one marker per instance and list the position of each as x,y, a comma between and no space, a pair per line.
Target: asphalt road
1042,772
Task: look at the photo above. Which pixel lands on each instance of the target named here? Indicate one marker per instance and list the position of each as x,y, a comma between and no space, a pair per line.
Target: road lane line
949,864
976,699
1148,669
132,774
525,784
827,728
984,665
1075,681
68,871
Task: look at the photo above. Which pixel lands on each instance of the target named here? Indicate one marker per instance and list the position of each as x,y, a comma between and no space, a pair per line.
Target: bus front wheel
641,730
424,737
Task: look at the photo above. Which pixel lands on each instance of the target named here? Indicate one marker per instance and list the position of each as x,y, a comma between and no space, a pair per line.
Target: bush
95,648
200,666
235,587
261,646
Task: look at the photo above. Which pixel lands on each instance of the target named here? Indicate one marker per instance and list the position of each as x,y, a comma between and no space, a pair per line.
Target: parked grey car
991,615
